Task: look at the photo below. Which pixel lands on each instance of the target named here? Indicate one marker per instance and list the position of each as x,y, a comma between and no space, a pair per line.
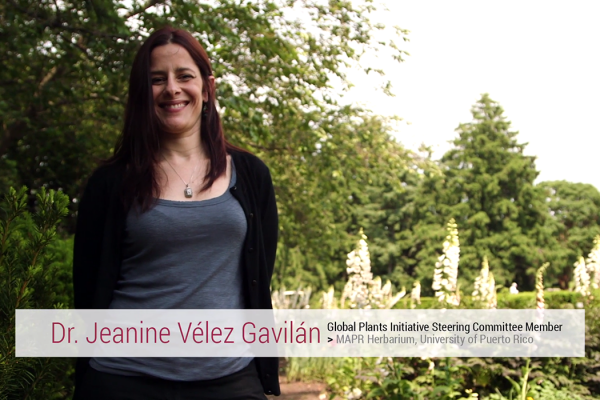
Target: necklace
187,192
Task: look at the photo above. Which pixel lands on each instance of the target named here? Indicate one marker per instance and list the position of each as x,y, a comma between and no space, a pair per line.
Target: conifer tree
30,279
488,187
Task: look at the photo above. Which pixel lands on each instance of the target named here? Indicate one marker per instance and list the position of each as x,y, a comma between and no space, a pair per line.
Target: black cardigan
100,227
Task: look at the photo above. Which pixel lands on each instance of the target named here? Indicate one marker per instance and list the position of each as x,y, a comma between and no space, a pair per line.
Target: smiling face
177,88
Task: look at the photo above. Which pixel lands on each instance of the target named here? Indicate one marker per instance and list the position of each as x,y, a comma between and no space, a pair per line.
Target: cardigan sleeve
270,221
88,240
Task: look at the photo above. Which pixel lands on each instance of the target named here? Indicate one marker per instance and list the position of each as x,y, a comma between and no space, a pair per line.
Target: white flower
485,287
328,299
581,277
539,286
362,290
415,294
446,269
291,299
354,394
431,365
593,263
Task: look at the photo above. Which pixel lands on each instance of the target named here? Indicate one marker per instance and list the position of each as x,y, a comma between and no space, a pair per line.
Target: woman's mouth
174,106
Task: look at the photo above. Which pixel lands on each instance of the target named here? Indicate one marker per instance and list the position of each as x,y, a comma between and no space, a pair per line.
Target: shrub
30,278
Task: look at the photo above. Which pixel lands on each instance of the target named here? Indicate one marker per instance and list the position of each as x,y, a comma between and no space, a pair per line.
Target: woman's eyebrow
179,69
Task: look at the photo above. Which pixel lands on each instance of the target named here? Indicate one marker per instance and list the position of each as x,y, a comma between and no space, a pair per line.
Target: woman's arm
270,221
89,233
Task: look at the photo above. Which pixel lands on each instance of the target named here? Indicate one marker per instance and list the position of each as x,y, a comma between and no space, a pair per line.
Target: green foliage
383,203
521,388
352,378
308,369
490,189
275,62
548,391
62,264
574,221
482,378
542,389
449,381
587,369
62,85
29,279
391,381
522,300
554,299
333,179
443,380
335,168
400,378
486,184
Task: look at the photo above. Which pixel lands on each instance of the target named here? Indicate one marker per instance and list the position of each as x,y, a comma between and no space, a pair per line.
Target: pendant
188,192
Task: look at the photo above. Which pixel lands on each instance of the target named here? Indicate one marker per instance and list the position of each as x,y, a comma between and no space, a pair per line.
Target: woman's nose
172,86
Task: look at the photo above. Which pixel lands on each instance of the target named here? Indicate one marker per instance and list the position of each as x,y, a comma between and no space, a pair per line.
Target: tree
66,78
487,186
336,183
574,221
63,90
428,225
385,208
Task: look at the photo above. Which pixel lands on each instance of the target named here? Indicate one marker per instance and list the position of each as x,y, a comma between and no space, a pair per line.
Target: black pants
242,385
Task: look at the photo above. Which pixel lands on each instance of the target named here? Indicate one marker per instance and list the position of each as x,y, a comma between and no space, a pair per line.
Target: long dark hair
138,146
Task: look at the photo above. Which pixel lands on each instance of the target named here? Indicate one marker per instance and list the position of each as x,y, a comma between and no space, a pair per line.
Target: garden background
337,168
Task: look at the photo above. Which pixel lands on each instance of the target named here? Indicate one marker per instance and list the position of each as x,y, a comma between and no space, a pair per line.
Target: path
301,391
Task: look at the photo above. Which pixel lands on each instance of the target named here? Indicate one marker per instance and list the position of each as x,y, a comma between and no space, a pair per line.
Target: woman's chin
174,127
171,131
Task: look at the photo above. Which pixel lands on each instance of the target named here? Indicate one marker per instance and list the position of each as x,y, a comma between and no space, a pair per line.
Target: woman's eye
186,77
157,80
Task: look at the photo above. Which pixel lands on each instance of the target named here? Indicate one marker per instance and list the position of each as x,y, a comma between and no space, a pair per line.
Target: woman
177,218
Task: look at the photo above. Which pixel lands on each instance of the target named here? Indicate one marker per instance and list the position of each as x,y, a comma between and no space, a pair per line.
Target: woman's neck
183,149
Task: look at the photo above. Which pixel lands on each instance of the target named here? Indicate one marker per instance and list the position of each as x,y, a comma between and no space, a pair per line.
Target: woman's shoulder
244,159
105,175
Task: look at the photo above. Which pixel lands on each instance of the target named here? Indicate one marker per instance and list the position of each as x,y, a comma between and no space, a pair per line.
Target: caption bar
300,333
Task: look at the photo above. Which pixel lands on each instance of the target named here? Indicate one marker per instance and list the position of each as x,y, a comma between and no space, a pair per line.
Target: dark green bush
34,274
558,299
522,300
552,377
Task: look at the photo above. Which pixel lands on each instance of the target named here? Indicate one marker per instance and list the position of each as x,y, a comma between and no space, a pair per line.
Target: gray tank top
181,255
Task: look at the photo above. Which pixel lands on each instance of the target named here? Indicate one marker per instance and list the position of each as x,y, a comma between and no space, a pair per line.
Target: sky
539,60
